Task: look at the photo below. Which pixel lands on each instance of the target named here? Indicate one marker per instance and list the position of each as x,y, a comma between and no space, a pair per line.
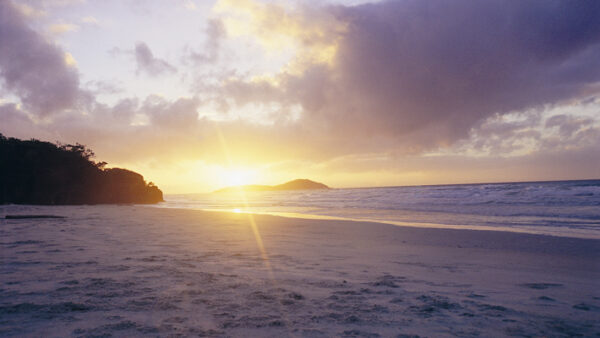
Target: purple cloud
147,63
215,32
422,74
34,69
408,76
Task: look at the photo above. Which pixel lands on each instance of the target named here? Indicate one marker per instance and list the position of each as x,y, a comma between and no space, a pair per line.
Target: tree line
37,172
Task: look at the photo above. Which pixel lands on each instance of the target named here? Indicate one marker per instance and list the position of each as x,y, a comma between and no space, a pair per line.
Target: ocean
558,208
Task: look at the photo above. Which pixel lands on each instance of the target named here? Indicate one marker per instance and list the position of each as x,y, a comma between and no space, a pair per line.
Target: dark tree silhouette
36,172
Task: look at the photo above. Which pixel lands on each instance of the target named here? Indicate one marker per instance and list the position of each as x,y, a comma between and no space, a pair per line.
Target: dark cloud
34,69
147,63
423,73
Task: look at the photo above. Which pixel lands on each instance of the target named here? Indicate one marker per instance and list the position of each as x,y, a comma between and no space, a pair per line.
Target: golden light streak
253,225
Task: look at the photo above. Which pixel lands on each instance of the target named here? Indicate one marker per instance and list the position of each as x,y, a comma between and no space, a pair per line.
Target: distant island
36,172
299,184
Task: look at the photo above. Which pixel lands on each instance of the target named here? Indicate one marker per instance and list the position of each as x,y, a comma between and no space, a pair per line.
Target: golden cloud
309,38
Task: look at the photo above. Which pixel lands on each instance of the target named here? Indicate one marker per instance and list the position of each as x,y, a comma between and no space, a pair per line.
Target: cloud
310,32
38,9
180,115
467,84
62,3
29,11
90,20
147,63
572,133
569,125
157,133
99,87
19,123
38,72
189,5
418,75
215,32
61,28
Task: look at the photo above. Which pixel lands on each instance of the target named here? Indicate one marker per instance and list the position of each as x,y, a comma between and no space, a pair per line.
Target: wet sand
135,270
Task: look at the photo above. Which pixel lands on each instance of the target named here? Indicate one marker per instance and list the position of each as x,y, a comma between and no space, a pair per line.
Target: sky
198,95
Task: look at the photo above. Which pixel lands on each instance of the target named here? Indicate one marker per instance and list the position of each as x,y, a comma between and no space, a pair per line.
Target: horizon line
414,185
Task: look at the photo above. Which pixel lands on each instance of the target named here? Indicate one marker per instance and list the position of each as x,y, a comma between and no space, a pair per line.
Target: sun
237,176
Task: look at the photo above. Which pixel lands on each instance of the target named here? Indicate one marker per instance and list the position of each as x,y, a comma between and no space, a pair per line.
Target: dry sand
134,270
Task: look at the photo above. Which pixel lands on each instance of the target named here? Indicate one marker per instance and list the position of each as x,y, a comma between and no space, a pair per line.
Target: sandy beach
135,270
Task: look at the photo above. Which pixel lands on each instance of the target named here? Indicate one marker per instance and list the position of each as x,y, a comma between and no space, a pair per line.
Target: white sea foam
562,208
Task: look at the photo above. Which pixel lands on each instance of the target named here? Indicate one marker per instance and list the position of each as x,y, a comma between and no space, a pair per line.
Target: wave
571,206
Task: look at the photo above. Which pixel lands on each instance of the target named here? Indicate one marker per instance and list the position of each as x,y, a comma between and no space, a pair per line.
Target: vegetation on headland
299,184
37,172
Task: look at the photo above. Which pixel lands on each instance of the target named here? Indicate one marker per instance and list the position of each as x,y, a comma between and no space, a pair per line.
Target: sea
557,208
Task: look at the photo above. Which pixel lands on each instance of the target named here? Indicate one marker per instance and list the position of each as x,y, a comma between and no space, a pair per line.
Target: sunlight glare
236,177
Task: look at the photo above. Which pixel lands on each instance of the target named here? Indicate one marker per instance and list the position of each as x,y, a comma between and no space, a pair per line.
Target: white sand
134,270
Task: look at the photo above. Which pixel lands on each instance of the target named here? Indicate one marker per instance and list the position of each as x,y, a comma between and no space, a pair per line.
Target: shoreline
592,235
532,230
482,234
